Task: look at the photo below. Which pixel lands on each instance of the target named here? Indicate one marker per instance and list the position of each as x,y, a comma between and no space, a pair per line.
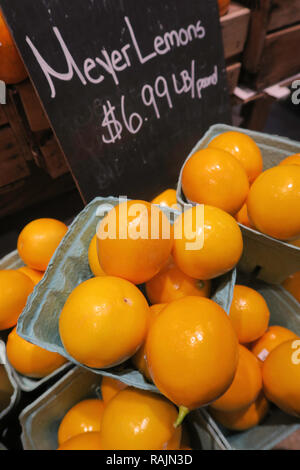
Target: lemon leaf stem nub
183,411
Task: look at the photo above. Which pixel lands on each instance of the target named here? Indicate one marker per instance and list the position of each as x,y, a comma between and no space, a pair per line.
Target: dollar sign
112,123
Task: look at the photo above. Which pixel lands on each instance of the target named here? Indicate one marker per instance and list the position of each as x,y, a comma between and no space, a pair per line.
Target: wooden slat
13,166
32,107
234,29
233,73
274,14
3,118
55,163
17,124
283,13
256,112
280,57
256,37
270,15
38,187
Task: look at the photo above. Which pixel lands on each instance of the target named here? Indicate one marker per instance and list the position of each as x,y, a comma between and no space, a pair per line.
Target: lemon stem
183,411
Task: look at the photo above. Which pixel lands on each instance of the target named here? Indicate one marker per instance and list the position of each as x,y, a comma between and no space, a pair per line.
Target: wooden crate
233,73
54,162
273,41
234,30
33,109
282,13
3,118
280,57
14,149
36,188
32,166
12,162
14,120
47,152
256,112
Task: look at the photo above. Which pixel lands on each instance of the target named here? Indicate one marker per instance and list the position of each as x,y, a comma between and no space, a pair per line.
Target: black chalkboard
129,86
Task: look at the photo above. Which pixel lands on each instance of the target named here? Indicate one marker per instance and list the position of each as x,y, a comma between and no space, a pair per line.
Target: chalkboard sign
129,86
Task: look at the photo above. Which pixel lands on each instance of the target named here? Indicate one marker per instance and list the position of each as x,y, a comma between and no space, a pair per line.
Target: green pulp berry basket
67,269
9,390
41,419
26,384
285,311
272,260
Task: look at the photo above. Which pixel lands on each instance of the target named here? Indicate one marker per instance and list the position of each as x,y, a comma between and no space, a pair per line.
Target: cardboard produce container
40,420
285,311
39,322
271,260
9,390
10,261
26,384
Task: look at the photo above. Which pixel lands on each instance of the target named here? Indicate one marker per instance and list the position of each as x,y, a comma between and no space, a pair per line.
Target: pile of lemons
149,303
36,245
